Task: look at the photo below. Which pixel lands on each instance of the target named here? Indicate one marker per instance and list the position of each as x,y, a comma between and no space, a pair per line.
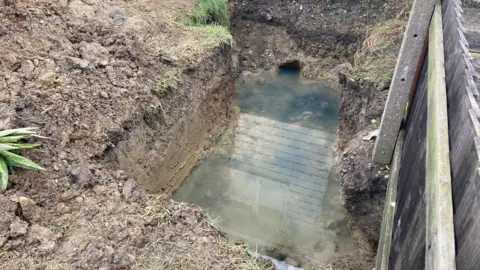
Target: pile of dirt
100,229
124,95
320,34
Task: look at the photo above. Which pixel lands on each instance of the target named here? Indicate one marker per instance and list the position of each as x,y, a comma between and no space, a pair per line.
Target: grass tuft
209,12
213,35
154,115
170,81
376,59
206,38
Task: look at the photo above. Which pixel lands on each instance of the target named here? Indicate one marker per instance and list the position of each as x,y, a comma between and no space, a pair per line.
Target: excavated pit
87,74
270,180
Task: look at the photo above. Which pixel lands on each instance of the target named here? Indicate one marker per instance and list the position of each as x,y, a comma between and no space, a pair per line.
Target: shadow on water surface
270,181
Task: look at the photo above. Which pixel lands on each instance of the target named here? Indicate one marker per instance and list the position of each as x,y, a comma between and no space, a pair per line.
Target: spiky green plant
10,145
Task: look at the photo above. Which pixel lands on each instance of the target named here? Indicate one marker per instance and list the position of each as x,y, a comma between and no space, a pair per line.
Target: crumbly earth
363,98
320,35
125,95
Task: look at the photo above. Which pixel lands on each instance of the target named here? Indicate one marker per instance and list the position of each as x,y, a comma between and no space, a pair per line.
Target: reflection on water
269,182
285,97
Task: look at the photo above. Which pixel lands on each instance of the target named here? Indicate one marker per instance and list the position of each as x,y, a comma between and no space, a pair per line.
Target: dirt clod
18,228
43,237
81,176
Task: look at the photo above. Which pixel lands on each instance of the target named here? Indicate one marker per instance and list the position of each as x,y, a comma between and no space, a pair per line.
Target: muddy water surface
269,181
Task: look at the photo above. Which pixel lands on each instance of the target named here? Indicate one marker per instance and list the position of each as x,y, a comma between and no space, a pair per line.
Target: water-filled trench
270,180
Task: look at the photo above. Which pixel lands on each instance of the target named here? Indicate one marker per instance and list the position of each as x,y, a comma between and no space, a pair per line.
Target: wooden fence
432,212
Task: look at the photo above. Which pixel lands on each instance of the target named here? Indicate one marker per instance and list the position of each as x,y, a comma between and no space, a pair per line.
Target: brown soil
320,34
87,73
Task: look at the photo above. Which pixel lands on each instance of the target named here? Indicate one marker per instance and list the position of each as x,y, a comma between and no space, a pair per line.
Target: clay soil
89,75
320,35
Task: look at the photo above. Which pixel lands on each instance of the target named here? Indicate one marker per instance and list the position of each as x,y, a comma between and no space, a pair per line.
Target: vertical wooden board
472,28
463,157
463,111
468,257
385,242
440,237
408,241
412,253
466,210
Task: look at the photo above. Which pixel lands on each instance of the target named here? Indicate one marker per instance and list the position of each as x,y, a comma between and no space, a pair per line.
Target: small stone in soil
18,228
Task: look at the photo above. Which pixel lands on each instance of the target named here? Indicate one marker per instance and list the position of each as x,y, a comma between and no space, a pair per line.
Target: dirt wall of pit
320,34
125,96
164,146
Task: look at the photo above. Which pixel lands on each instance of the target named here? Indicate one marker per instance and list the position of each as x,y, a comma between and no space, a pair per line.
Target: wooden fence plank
440,238
384,246
408,241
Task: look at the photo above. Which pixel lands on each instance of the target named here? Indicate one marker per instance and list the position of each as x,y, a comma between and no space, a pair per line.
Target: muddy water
269,181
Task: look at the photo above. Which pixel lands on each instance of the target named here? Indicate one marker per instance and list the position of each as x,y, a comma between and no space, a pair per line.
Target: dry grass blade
375,60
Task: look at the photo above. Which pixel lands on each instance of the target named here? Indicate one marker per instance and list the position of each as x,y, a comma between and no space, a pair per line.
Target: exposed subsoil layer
87,73
320,34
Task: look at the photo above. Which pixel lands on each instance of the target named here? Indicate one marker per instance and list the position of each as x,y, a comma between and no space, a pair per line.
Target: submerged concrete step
291,136
321,146
284,175
310,157
296,197
278,160
294,216
249,119
292,163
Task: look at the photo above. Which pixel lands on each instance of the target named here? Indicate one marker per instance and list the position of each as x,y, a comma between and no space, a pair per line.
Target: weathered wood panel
462,75
385,242
415,233
440,239
408,242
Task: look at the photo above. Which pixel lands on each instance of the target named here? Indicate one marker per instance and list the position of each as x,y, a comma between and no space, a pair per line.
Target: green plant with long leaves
10,145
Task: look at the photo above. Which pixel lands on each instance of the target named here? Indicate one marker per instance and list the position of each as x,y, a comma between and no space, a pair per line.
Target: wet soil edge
162,156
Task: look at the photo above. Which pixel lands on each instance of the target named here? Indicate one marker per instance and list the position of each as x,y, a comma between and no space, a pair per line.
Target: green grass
209,12
10,145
